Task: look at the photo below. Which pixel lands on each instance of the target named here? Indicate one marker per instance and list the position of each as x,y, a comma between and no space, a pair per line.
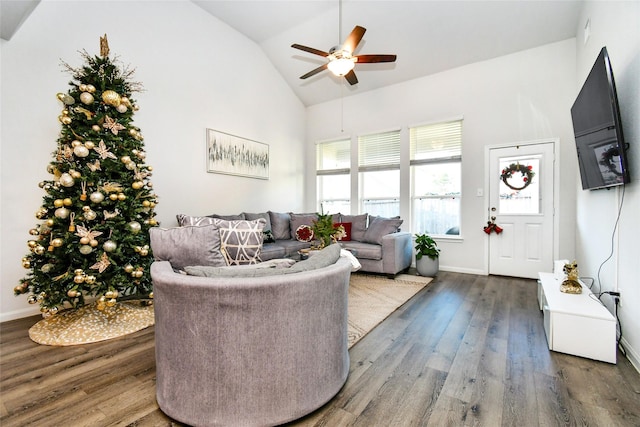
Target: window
435,159
379,173
333,172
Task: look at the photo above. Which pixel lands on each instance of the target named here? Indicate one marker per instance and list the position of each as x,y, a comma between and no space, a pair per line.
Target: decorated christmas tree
92,241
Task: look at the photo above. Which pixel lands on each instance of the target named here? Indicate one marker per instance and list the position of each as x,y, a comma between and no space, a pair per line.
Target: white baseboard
632,354
463,270
19,314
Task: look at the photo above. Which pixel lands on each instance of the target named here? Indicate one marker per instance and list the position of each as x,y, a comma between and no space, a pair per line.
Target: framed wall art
233,155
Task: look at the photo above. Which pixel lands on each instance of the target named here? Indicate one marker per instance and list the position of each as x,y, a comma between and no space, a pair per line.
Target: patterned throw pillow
347,230
241,240
304,233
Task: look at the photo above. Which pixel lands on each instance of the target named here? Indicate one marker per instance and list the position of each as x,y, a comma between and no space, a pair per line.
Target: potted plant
325,232
427,255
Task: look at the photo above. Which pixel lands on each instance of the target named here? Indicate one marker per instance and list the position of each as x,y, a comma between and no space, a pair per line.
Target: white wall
197,72
615,25
520,97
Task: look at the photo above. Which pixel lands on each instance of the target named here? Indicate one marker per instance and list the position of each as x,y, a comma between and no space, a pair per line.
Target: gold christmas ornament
57,242
86,249
91,88
109,246
67,201
128,268
90,145
86,98
122,108
96,197
62,213
95,128
135,227
66,180
111,97
58,203
90,215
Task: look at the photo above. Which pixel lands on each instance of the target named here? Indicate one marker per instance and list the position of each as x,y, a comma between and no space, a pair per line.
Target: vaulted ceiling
428,36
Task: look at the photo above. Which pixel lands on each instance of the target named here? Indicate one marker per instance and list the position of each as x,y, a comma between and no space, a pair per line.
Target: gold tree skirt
87,324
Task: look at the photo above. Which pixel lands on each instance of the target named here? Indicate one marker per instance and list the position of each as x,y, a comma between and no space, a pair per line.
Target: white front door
522,208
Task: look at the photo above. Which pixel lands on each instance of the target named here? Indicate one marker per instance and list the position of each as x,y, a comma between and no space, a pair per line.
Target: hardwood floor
467,350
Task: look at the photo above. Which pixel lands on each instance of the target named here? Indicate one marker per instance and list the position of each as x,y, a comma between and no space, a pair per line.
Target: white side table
576,324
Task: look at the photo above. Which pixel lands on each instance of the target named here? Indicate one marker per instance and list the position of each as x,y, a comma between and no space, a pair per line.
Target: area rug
373,298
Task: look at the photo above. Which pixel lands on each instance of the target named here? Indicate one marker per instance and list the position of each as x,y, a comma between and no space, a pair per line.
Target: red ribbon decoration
492,226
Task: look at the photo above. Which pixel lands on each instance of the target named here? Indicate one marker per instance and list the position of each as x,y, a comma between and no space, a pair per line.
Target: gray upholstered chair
249,351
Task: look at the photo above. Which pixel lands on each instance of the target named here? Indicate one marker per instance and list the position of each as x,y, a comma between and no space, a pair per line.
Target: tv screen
598,130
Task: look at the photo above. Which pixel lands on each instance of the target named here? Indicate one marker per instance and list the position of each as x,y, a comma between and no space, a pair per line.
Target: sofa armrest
397,251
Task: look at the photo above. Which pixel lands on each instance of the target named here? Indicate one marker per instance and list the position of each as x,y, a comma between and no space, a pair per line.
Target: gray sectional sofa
376,242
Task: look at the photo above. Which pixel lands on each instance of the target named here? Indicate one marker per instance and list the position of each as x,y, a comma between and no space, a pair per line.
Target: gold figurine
571,285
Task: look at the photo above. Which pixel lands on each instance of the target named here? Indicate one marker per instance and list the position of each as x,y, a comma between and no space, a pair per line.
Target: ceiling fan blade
354,38
376,58
314,71
351,77
309,49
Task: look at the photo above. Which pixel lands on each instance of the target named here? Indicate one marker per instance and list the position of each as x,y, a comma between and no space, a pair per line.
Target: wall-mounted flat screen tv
598,129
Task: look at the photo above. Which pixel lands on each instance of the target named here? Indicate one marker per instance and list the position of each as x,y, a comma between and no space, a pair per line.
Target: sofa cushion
280,225
264,215
363,250
380,227
272,251
228,217
358,225
322,258
189,245
268,268
298,219
241,240
186,220
292,246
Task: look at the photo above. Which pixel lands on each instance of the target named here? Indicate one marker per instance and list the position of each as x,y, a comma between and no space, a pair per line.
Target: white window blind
436,142
333,157
380,151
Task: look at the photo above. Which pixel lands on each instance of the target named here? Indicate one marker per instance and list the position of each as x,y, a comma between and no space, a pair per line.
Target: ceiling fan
341,58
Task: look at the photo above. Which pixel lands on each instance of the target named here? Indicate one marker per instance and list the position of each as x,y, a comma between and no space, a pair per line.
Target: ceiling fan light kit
341,60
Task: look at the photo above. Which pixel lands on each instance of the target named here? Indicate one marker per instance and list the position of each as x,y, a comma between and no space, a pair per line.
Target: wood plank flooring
466,351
